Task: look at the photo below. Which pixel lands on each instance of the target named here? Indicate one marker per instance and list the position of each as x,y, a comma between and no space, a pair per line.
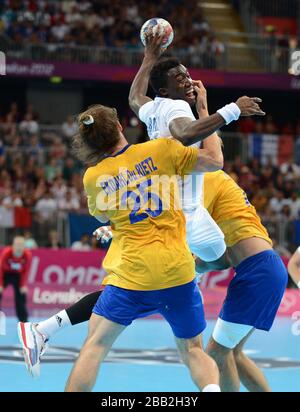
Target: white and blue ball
158,24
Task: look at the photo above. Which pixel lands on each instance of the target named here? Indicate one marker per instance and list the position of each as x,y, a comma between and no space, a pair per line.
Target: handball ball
158,24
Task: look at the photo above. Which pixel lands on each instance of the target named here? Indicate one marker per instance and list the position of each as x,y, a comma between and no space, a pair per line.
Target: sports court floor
144,359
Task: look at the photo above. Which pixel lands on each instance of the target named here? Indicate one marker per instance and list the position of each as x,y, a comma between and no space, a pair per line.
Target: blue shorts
181,306
255,292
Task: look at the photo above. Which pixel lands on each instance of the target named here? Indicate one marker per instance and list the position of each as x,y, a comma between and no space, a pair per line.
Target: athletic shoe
34,346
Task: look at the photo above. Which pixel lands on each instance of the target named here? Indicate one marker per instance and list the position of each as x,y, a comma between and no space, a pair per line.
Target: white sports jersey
157,115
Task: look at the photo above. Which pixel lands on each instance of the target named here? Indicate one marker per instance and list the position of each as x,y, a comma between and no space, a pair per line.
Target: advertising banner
59,278
125,74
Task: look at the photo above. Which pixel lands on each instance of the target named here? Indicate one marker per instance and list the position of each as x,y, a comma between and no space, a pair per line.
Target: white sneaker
34,346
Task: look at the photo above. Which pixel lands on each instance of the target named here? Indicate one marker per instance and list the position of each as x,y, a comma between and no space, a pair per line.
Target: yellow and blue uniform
149,266
229,206
255,292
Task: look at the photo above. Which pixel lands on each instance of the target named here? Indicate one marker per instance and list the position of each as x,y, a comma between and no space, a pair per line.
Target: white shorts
204,237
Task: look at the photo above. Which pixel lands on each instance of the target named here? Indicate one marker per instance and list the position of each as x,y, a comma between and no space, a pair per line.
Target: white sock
54,324
212,388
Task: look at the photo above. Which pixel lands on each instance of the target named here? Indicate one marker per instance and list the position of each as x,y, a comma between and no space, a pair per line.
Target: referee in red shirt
14,267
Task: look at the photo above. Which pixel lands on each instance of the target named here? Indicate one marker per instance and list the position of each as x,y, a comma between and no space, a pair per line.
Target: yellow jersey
149,249
229,206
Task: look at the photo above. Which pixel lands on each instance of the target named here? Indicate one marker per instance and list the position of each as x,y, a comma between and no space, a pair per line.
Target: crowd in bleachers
110,23
38,172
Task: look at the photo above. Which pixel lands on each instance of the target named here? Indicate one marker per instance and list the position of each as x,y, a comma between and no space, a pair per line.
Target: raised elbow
183,138
131,101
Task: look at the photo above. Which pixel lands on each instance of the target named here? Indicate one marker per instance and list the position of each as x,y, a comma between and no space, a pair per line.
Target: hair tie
88,120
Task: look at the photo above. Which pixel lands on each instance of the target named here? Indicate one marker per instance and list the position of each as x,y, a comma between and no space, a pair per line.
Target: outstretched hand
249,106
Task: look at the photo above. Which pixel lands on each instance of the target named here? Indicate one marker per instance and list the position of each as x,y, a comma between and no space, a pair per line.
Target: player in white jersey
170,114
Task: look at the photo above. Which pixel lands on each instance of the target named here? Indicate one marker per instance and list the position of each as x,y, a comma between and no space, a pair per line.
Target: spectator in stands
246,178
35,149
83,244
58,151
29,125
69,169
69,203
110,23
52,170
266,176
73,16
289,188
58,188
259,128
59,30
255,167
285,214
30,110
277,202
290,170
14,113
294,204
12,200
46,208
30,242
53,241
69,127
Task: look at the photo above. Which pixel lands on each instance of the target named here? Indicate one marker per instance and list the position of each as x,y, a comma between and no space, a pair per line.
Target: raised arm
137,95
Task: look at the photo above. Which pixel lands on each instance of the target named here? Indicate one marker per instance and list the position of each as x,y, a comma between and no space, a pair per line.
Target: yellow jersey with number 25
149,249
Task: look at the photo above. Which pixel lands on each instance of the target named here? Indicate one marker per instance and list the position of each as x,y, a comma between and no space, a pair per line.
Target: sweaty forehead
175,71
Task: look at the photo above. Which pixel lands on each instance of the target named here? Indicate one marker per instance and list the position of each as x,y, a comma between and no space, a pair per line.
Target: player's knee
239,355
189,349
216,351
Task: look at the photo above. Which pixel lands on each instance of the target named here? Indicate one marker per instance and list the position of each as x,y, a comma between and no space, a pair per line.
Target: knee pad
229,334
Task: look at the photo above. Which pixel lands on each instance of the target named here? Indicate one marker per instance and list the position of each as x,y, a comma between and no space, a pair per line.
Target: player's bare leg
102,334
250,375
229,377
203,368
